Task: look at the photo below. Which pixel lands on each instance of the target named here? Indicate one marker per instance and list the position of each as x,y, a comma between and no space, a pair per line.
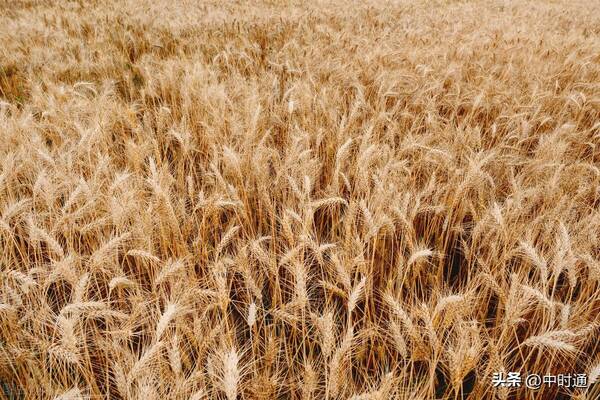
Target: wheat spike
355,294
231,374
251,314
557,340
171,311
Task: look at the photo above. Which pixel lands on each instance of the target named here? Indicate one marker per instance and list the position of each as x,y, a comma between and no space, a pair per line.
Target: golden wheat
298,200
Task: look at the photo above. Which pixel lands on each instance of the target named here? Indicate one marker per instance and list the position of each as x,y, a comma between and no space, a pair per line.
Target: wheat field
298,200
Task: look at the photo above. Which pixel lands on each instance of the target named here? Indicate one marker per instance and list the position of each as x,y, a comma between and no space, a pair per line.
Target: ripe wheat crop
298,200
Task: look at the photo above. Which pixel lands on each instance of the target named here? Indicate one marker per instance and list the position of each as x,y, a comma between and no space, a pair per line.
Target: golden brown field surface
298,200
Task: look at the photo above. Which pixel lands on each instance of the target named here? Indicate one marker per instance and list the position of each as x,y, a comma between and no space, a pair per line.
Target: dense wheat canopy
298,200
